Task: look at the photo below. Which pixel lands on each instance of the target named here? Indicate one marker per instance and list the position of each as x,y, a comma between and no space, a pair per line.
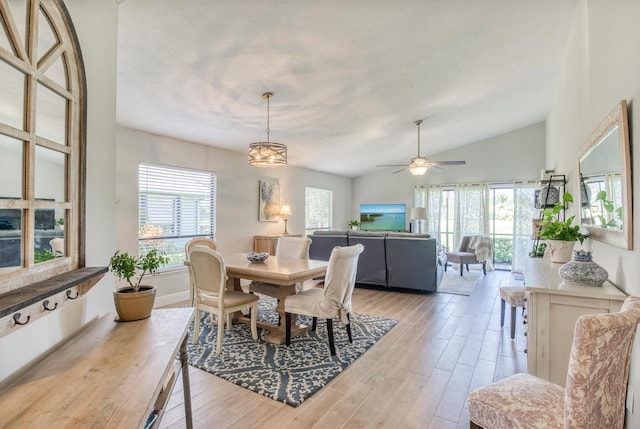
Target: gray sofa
390,259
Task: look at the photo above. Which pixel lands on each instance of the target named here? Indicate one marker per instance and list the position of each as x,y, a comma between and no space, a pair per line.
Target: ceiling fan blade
431,164
392,165
402,169
435,168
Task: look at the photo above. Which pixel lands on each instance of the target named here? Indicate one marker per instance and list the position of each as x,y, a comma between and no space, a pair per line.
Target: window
175,205
318,209
42,93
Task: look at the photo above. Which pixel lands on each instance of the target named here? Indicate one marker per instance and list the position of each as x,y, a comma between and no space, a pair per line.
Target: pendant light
267,154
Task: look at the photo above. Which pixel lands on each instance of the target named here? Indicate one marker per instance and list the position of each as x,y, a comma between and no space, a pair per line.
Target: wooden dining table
284,272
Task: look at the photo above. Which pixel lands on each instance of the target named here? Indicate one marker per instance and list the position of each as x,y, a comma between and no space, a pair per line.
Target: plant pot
132,305
560,251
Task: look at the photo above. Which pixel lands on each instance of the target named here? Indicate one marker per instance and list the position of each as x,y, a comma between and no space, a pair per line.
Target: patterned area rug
455,284
285,374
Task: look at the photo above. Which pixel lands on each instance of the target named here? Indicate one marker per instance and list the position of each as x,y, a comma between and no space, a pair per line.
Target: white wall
517,155
96,23
602,67
237,196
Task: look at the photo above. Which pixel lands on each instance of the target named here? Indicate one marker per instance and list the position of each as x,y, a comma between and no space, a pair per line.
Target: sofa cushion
359,233
408,235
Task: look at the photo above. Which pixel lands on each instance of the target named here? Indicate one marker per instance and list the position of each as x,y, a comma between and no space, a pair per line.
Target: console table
268,243
110,374
553,308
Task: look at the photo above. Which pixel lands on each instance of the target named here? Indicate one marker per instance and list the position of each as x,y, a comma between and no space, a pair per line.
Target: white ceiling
349,78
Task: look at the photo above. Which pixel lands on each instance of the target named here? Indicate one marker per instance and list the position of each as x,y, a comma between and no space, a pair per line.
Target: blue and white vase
583,271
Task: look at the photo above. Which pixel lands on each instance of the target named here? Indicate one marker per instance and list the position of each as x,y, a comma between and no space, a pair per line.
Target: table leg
186,385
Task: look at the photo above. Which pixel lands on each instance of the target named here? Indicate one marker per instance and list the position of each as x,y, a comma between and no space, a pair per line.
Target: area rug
288,374
459,285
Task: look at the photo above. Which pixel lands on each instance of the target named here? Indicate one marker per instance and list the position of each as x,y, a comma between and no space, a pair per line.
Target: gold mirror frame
620,232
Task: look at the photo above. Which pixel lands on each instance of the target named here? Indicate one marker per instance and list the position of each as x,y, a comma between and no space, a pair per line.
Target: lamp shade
418,213
285,211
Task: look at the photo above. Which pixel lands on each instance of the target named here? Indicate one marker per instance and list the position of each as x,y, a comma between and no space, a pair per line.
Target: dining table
280,271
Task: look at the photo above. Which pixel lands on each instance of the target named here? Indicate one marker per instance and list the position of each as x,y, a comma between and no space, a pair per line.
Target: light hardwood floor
416,376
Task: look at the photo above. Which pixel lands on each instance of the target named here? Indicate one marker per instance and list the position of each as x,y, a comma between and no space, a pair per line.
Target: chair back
293,247
199,241
209,273
599,368
340,280
57,246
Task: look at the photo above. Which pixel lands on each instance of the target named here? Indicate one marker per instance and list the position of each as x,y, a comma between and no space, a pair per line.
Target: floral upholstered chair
596,385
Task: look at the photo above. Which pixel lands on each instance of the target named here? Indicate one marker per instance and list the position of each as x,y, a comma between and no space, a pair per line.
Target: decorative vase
560,250
583,271
132,305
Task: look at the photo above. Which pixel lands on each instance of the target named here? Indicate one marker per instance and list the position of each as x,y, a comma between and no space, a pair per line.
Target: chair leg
472,425
502,305
349,328
314,324
287,321
461,268
513,322
467,267
332,346
196,327
484,268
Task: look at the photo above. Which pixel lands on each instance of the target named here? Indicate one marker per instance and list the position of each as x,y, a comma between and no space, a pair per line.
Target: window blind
318,209
175,205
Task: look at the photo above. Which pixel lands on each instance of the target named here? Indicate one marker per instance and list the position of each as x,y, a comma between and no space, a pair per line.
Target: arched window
42,104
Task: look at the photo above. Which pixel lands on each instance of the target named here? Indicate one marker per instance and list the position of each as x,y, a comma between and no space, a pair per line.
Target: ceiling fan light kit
267,154
419,165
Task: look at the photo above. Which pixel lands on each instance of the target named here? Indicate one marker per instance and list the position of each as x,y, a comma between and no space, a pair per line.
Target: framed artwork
268,200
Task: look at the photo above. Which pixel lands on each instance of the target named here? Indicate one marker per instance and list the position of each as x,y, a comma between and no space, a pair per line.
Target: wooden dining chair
211,294
197,241
596,386
334,300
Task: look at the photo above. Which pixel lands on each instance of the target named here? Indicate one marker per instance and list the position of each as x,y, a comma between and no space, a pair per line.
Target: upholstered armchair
596,385
474,249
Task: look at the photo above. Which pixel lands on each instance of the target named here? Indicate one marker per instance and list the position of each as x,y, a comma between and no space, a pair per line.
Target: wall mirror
604,167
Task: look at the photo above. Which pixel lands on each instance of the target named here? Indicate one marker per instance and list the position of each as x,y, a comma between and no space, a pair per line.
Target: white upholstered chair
57,246
210,277
198,241
288,247
332,301
594,396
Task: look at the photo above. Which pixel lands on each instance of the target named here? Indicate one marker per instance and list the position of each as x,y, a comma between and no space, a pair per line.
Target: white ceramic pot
561,251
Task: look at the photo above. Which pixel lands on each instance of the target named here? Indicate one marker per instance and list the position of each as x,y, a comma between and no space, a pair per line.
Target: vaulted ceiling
349,77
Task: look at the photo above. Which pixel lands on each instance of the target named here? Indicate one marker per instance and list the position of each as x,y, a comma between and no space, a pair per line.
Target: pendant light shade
267,154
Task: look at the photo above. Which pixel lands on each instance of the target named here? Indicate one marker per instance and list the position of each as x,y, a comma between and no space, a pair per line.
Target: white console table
553,308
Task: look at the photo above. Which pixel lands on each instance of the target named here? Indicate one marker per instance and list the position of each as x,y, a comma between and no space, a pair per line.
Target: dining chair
198,241
211,294
288,247
596,386
57,246
334,300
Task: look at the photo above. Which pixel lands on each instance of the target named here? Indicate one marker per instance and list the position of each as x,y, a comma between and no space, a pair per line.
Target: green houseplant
353,224
135,301
560,235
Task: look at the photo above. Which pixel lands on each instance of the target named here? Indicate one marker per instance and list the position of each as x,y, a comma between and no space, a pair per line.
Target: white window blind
175,205
318,209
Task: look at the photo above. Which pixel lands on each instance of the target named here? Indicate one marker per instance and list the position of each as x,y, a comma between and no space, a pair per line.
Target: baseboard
168,300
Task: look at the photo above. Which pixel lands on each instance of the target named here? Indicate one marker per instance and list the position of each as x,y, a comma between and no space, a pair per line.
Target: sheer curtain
524,213
472,211
430,197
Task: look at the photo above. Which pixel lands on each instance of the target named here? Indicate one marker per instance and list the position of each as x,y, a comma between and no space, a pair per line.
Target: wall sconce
285,213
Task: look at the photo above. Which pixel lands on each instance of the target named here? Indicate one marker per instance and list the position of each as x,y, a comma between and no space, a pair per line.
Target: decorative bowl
256,257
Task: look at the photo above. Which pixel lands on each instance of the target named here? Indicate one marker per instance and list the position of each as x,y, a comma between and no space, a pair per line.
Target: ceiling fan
419,165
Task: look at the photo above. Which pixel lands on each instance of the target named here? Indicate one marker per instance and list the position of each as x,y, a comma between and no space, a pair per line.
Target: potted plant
353,224
135,301
560,235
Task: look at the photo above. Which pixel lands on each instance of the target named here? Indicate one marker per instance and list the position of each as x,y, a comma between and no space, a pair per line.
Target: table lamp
418,214
285,213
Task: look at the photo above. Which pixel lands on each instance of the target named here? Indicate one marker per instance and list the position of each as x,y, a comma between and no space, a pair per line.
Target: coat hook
16,318
69,294
45,304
